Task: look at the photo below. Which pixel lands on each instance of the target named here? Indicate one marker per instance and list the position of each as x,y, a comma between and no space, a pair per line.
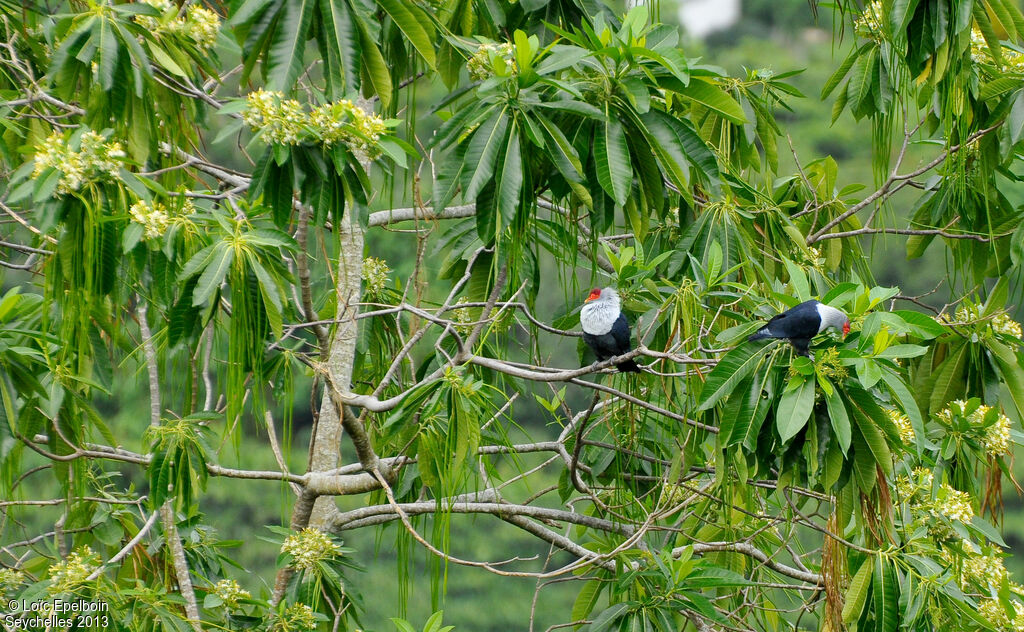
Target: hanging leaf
795,407
611,157
286,53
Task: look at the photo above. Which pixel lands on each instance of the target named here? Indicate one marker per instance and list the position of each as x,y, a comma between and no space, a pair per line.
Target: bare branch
751,551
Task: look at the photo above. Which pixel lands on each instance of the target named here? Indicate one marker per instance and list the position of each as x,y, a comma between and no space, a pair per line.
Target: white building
701,17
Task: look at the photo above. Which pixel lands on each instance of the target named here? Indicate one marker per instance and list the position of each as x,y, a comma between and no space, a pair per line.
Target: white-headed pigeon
605,329
803,322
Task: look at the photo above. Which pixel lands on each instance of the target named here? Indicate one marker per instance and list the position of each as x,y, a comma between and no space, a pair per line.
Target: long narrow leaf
414,28
482,153
611,157
730,371
284,58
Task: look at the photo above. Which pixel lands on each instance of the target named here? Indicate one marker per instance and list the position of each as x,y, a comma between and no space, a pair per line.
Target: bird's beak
588,299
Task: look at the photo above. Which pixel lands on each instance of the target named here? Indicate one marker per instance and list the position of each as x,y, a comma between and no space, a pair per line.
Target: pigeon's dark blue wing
613,343
800,322
620,332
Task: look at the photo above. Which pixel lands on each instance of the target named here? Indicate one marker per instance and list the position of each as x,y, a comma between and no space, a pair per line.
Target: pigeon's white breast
597,319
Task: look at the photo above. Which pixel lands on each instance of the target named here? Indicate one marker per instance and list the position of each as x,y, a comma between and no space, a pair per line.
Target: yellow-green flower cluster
967,312
902,423
997,437
151,216
462,317
465,320
919,480
296,618
813,257
980,53
150,23
10,579
984,570
489,56
1003,324
993,612
230,592
202,25
70,574
954,504
309,547
955,407
1000,323
375,273
346,122
828,364
199,24
869,24
281,120
94,161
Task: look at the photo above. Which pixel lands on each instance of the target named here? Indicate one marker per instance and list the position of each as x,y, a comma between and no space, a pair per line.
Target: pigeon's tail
760,334
627,366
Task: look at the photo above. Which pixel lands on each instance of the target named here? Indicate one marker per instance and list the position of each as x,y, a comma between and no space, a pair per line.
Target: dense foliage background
290,324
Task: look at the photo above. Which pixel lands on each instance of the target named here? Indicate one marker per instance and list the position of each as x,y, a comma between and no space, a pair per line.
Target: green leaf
901,13
165,61
730,371
868,372
285,55
482,153
109,49
713,576
795,407
561,152
586,599
413,26
697,150
403,625
343,50
561,56
798,281
948,382
375,67
906,399
433,623
1015,119
839,418
212,277
608,617
509,179
861,78
1011,372
249,11
864,409
903,351
857,593
714,98
921,325
885,590
611,158
840,73
985,528
198,262
666,147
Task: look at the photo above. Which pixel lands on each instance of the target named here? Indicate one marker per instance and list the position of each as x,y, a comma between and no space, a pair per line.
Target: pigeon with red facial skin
803,322
605,329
